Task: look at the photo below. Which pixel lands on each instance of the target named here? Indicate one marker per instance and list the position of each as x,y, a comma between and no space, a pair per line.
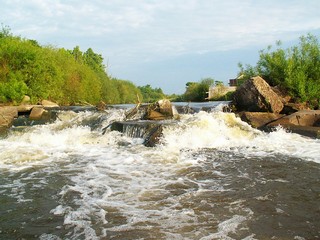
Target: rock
153,138
101,106
7,115
38,113
161,110
290,108
255,95
25,109
25,100
301,118
153,115
259,119
150,131
48,104
304,122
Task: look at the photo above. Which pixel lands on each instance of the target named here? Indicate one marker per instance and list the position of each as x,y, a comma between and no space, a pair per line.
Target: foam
106,177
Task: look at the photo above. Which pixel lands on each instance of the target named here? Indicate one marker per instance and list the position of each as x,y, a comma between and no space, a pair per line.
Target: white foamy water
111,186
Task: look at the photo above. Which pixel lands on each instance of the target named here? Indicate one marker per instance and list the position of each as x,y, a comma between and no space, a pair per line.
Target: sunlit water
211,177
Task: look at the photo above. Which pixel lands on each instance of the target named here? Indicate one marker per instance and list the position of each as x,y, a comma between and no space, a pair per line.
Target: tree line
75,77
65,76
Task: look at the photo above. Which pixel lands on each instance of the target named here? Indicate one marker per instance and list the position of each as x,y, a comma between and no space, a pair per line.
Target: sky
165,43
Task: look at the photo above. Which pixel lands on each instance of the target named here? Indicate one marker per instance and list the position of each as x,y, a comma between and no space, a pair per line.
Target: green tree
94,60
296,69
198,91
64,76
150,94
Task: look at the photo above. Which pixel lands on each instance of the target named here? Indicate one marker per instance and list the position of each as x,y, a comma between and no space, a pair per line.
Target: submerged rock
255,95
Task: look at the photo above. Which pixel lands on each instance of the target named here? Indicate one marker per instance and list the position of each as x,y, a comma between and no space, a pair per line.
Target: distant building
219,91
236,81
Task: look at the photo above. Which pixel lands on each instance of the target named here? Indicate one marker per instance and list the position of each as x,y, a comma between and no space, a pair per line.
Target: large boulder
255,95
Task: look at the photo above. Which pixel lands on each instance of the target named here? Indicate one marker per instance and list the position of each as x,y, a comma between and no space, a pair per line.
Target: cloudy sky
165,43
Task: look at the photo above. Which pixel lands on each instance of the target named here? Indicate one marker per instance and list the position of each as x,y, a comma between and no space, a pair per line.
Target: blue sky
165,43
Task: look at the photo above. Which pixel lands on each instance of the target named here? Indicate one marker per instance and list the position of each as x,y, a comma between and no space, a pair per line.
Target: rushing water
212,177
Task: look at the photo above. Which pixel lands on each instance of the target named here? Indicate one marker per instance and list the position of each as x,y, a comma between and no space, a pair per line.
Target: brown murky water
213,177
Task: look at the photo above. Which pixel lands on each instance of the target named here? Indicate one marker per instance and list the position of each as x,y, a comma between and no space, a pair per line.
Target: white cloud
144,30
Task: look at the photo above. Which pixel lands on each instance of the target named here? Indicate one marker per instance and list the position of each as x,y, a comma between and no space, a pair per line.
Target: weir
149,130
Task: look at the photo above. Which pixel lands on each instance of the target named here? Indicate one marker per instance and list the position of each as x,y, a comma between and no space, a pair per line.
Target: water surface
211,177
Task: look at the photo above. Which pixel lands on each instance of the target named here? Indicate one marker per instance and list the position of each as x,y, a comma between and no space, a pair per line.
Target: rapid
212,176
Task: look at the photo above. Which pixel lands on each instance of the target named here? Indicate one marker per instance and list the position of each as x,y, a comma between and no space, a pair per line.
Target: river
211,177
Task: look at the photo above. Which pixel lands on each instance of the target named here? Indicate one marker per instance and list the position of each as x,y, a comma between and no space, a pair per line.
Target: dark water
213,177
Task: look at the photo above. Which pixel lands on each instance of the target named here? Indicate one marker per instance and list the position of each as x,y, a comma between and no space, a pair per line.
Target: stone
259,119
255,95
38,113
149,131
153,115
165,107
290,108
301,118
161,110
25,109
304,122
49,104
25,100
7,115
101,106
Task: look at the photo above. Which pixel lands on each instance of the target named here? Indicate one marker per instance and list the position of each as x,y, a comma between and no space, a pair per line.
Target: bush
296,69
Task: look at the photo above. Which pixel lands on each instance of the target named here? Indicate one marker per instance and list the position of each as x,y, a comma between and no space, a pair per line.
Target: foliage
150,94
225,97
64,76
198,91
296,69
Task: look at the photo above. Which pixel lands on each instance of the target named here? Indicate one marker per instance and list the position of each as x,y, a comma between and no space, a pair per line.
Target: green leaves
150,94
197,91
64,76
297,69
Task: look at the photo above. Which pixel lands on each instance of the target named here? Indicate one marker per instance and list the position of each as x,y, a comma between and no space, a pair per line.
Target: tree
296,69
94,60
150,94
198,91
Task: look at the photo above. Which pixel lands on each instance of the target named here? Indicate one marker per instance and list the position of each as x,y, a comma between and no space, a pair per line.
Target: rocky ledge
266,108
26,112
